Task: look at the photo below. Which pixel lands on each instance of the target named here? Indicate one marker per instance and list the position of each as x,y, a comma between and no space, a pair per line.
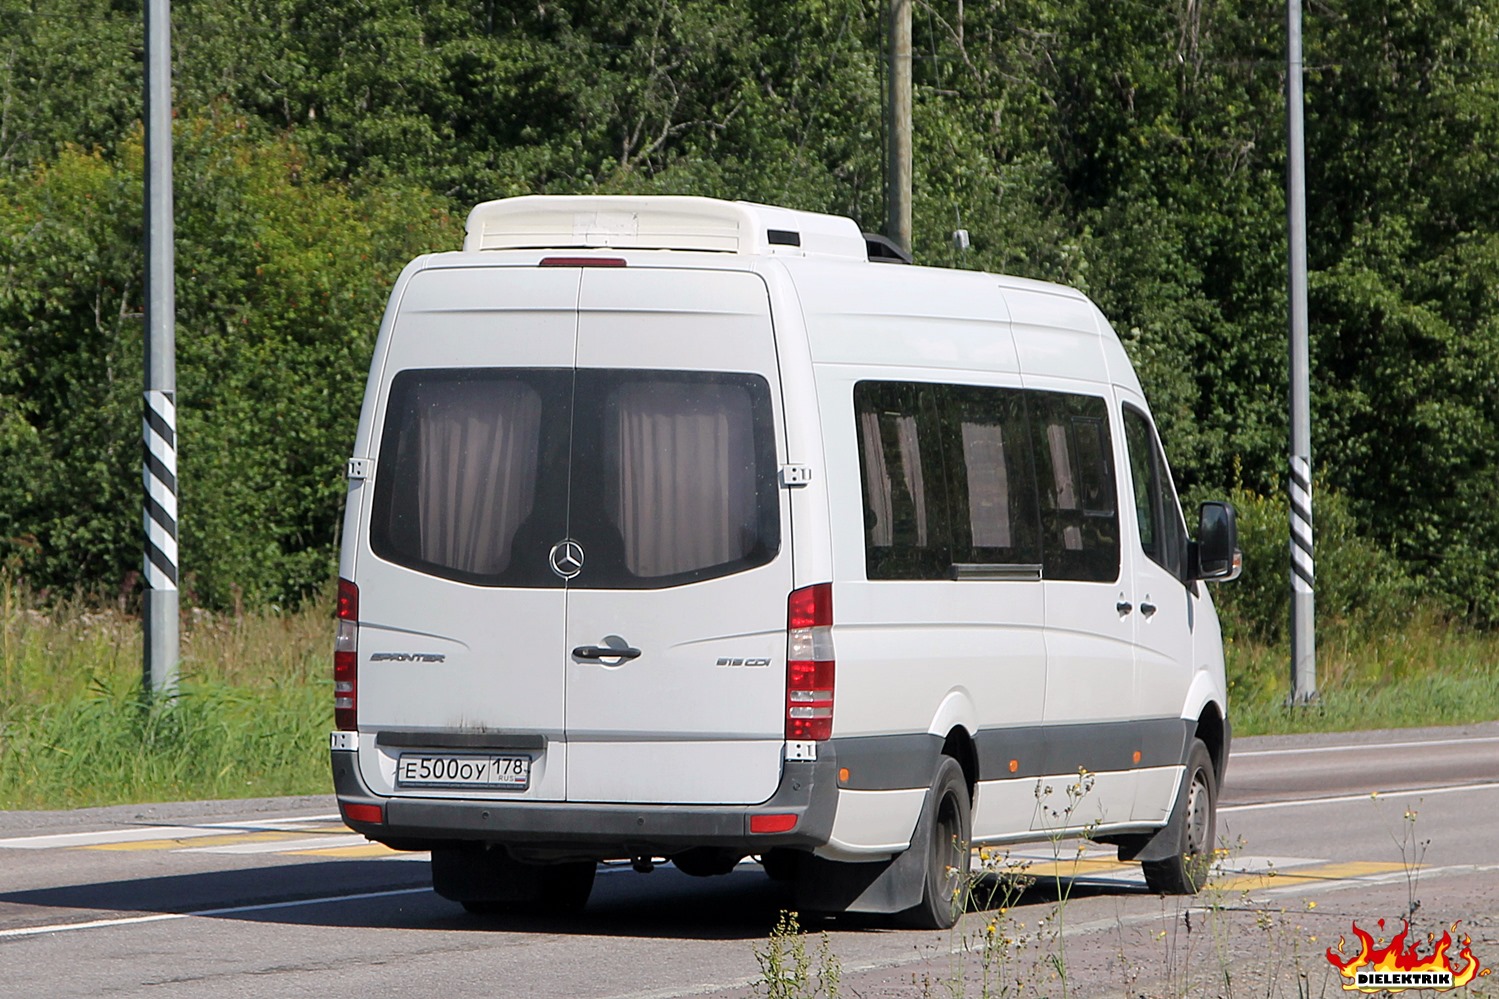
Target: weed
786,967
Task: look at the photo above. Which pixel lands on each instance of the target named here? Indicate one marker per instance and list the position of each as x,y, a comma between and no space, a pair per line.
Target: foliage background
1132,149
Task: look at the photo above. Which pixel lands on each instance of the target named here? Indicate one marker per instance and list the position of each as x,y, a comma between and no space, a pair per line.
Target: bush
1358,583
281,282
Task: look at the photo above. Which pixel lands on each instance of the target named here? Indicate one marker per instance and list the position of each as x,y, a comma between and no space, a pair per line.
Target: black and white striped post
161,649
1303,608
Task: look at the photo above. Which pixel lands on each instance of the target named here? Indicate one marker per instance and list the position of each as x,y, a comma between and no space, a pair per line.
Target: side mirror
1215,553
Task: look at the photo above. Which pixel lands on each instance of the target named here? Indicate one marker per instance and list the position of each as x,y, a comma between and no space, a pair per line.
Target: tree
281,282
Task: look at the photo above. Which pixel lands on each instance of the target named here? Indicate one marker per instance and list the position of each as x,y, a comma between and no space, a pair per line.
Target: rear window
661,477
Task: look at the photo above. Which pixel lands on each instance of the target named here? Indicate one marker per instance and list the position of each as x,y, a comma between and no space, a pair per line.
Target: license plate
511,772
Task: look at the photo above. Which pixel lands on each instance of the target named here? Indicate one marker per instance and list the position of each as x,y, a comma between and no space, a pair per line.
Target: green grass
1422,671
251,716
254,707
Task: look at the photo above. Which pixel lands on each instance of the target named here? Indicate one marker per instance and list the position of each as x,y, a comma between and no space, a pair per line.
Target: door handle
1148,609
605,652
1124,607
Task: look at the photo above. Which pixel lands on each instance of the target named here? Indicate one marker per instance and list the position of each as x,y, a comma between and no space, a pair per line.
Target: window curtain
988,485
478,456
1065,490
910,460
684,497
877,498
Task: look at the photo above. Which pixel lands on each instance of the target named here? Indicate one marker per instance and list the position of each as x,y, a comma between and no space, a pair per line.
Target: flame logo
1400,966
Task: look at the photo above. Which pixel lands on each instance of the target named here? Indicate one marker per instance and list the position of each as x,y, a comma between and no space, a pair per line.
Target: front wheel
945,888
1187,870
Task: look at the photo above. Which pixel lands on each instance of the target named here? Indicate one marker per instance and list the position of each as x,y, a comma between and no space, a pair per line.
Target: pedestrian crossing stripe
1243,874
1302,877
193,843
366,850
216,836
302,839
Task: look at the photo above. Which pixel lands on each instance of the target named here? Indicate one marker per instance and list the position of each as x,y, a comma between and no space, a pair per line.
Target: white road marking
158,917
136,834
1366,747
107,836
1419,792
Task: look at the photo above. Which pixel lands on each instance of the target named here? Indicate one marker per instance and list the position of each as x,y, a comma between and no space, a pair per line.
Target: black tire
486,879
949,858
780,864
1187,871
565,887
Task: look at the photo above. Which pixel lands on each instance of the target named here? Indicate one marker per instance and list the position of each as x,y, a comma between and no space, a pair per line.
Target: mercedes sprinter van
691,530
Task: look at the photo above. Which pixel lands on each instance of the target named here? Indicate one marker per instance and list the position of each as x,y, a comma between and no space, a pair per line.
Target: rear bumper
808,790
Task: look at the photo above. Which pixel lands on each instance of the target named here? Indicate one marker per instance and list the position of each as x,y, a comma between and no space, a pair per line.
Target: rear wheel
945,887
780,864
486,879
1187,871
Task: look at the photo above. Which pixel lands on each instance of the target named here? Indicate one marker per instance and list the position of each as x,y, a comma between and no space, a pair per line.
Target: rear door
461,614
680,541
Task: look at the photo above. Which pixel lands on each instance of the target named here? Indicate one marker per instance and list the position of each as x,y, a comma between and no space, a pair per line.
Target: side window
977,482
1076,486
991,478
905,528
1163,535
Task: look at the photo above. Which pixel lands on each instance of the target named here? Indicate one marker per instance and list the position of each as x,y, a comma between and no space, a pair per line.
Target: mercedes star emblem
567,558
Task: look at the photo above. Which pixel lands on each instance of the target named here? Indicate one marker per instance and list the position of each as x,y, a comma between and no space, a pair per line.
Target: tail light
355,812
346,659
582,262
809,663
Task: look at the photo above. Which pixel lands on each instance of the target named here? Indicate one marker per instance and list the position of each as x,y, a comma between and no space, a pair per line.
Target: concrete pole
159,430
1303,629
898,134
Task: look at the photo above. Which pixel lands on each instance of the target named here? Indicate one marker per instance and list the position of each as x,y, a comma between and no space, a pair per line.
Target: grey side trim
461,740
888,762
895,762
1097,746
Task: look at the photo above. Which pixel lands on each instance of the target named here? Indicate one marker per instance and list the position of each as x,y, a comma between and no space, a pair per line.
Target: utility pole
159,426
1303,622
898,131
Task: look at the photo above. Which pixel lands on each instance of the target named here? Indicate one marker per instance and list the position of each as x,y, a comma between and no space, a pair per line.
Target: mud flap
884,886
1166,842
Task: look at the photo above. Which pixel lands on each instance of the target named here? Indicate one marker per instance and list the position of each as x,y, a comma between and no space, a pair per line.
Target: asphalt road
276,898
